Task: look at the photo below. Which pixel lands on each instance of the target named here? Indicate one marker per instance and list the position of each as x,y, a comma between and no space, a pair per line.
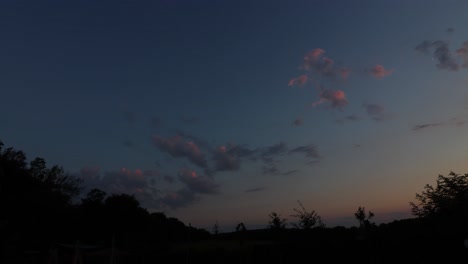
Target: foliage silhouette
448,198
364,220
216,228
307,220
240,227
276,222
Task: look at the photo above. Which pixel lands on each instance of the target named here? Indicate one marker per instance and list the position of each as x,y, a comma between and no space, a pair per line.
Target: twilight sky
228,110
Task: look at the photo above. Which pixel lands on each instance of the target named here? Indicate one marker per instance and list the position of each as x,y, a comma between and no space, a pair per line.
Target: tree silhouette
307,220
216,228
364,220
241,227
449,198
445,205
276,222
95,197
63,185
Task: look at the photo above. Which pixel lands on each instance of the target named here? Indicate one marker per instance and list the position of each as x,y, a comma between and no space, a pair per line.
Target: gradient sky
229,110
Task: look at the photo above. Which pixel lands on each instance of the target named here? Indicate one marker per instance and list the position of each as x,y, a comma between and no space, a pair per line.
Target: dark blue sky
228,110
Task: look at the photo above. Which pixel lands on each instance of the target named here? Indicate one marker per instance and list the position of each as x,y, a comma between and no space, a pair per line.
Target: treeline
37,211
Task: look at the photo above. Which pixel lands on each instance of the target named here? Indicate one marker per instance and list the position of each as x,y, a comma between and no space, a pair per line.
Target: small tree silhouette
276,222
240,230
240,227
307,220
364,220
216,228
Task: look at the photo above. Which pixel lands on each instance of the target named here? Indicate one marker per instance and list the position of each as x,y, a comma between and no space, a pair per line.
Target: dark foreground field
384,244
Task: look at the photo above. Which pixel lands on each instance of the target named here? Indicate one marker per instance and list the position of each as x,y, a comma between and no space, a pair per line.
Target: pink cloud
298,122
327,64
344,73
379,72
311,58
314,54
337,98
298,81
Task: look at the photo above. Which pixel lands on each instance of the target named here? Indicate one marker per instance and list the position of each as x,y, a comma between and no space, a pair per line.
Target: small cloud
441,53
348,118
177,147
256,189
463,52
298,122
228,157
198,183
225,160
287,173
168,178
271,169
311,59
450,30
424,126
376,112
379,72
458,122
298,81
181,198
336,98
444,56
268,153
344,73
310,151
424,47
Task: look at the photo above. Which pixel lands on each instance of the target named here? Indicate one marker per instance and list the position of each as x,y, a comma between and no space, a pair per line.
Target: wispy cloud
463,53
310,151
178,147
290,172
267,153
440,52
225,160
425,126
270,169
298,81
376,112
344,73
298,122
348,118
256,189
198,183
178,199
379,71
228,157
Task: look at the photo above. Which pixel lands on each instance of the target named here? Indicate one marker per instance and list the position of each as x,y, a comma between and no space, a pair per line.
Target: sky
225,111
